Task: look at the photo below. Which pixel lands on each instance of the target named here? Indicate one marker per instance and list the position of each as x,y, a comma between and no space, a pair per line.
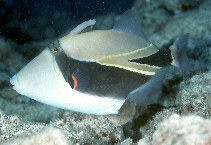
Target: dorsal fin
83,26
129,22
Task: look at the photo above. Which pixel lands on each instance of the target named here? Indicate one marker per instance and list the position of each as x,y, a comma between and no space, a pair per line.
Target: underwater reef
183,116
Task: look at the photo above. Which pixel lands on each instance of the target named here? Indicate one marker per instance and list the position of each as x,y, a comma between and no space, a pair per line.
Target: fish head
40,79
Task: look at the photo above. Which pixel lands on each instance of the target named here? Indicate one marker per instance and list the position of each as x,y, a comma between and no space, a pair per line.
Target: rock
150,127
48,136
27,109
183,24
164,20
88,129
79,129
194,96
183,130
128,141
178,6
12,126
143,142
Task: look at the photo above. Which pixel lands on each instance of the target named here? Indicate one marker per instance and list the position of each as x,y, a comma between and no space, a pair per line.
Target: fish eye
55,47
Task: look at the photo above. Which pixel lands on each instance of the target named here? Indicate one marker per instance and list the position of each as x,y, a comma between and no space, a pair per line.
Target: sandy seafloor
186,121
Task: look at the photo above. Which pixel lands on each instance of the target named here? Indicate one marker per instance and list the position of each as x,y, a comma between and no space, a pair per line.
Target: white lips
14,80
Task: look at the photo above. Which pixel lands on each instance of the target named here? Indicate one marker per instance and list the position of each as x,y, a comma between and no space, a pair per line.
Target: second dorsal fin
129,22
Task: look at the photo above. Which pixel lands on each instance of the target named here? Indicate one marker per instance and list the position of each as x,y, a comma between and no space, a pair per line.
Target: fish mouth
14,80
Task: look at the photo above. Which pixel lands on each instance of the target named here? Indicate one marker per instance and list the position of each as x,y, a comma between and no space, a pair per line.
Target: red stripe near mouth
75,82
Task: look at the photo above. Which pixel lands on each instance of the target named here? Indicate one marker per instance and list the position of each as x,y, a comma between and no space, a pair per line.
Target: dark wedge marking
161,58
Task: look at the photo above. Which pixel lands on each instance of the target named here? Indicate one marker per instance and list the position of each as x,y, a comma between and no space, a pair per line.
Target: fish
93,72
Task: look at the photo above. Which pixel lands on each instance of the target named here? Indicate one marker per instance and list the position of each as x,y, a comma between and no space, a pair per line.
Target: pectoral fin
150,92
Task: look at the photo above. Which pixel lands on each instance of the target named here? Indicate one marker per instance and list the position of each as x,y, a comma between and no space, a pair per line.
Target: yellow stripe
152,66
132,69
128,53
56,68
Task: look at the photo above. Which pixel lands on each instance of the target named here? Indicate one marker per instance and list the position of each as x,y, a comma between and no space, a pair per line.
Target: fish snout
14,80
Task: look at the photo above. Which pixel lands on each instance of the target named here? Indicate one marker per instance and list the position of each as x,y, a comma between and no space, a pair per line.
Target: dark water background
32,20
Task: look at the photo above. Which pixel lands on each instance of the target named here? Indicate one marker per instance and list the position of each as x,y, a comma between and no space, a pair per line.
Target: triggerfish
91,72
